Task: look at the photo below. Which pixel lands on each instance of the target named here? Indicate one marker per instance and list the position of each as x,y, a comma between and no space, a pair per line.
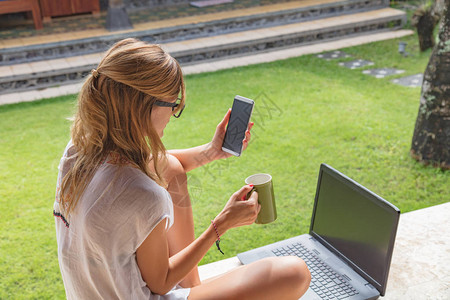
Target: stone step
215,24
268,39
211,66
38,75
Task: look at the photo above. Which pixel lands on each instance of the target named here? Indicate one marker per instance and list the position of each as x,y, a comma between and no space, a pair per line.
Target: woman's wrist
219,224
205,155
213,152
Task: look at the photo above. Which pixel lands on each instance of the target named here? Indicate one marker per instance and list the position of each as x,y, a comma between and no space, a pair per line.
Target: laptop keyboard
325,282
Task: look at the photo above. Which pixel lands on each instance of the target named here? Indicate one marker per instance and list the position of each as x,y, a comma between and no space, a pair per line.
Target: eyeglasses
174,106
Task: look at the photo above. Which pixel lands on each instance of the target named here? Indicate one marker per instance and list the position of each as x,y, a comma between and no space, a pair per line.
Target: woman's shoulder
124,193
134,181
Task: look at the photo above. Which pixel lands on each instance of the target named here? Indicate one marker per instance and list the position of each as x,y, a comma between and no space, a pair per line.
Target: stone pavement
408,81
383,72
420,267
355,64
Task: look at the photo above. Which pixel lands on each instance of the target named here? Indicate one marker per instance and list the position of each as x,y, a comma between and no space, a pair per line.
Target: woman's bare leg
181,234
271,278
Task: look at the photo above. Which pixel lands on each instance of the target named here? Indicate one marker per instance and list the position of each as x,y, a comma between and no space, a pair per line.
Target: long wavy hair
113,114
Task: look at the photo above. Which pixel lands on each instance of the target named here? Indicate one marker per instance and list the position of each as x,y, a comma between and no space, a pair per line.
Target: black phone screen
237,125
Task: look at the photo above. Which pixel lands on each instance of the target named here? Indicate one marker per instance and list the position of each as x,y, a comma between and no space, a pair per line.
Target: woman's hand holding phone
217,141
238,125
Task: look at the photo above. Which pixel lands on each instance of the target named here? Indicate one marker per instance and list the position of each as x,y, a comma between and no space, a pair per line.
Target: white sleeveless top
97,244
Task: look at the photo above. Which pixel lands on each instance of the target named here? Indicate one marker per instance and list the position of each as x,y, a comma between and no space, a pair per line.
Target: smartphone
241,112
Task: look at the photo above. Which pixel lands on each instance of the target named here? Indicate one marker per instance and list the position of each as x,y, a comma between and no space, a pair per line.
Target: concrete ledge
420,267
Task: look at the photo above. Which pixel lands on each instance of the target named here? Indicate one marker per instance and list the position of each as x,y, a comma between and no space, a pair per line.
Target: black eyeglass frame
174,105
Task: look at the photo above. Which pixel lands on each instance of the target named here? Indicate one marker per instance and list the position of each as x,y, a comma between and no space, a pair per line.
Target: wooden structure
15,6
53,8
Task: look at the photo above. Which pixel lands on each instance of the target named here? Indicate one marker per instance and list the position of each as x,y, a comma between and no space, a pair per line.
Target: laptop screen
356,224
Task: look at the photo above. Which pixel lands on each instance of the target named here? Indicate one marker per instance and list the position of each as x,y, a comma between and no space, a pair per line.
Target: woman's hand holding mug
238,212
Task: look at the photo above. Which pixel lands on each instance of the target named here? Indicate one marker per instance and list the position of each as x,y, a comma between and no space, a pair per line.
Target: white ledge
420,267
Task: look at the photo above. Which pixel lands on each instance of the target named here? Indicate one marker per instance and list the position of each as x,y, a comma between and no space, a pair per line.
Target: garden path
409,81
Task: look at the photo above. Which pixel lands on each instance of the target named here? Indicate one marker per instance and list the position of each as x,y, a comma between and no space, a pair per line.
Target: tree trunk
431,140
117,17
425,28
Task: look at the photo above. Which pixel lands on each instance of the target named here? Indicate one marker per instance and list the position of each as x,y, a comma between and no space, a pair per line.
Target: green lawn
308,111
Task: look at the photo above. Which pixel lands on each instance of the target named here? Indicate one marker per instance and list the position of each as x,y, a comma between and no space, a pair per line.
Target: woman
120,234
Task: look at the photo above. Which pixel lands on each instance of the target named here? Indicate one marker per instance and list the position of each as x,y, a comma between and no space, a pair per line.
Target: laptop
349,246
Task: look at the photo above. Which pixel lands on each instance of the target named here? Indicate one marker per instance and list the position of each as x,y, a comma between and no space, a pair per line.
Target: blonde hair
113,114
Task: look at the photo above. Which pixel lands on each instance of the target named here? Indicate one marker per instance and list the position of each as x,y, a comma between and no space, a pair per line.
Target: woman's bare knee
281,277
269,278
296,275
292,276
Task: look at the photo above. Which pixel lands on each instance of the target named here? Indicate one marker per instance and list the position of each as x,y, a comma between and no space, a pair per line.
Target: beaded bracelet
218,238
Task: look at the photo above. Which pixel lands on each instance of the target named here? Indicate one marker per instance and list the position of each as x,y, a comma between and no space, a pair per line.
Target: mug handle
249,193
